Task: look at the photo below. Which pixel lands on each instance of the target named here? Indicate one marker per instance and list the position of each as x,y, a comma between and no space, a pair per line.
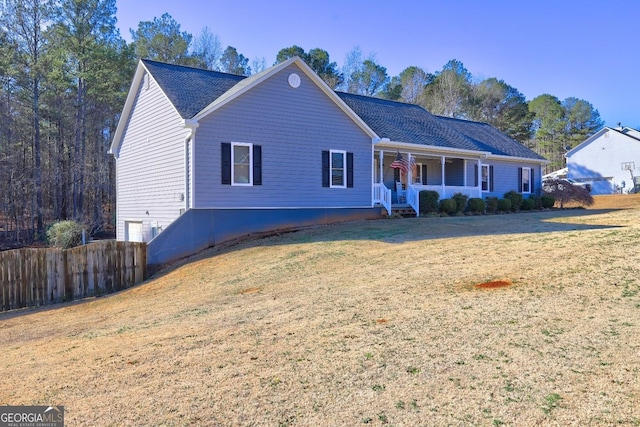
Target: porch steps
403,210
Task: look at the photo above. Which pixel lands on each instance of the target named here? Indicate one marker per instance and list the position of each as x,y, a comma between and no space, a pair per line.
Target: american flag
400,163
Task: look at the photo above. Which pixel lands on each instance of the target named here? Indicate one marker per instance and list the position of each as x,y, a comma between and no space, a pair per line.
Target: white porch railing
413,198
382,195
446,192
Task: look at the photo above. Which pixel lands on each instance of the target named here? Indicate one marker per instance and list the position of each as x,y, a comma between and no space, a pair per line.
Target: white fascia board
126,110
587,141
250,82
128,106
191,124
238,89
335,98
405,146
517,159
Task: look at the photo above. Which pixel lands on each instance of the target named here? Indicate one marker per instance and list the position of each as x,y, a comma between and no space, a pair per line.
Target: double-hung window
241,164
486,178
526,180
337,169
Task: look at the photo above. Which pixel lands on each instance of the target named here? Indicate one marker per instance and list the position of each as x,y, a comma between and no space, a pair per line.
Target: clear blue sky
585,49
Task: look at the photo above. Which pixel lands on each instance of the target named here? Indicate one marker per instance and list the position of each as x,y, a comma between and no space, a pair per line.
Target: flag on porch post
400,163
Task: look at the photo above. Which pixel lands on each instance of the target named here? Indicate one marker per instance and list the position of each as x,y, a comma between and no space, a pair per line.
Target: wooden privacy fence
33,277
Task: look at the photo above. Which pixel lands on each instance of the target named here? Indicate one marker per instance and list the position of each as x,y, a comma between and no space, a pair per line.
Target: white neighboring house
609,160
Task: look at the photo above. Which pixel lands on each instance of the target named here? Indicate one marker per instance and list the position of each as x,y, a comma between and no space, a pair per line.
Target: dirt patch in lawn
494,284
370,322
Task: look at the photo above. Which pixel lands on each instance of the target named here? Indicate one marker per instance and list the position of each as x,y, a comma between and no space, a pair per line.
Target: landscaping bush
461,201
448,206
547,201
537,201
428,201
476,205
65,234
491,204
515,198
565,192
504,205
528,205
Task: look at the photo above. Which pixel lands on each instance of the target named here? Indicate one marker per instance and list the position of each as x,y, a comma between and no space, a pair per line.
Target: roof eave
386,143
518,159
588,141
114,149
244,86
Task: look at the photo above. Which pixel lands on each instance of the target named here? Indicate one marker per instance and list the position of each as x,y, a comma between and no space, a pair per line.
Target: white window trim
344,169
233,164
488,190
528,174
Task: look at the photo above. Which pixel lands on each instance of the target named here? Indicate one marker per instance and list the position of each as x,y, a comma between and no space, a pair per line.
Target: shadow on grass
401,230
392,231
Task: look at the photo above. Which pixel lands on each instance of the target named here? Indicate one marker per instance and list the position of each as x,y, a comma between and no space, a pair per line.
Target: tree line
65,71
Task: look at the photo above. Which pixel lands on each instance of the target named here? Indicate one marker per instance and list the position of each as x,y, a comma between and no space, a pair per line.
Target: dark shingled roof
486,135
413,124
404,122
189,89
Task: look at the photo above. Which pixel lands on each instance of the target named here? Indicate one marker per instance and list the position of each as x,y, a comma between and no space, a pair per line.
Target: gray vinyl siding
293,126
150,164
505,177
470,169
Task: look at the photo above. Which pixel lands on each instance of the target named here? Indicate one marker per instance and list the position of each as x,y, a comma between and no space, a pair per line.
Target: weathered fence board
34,277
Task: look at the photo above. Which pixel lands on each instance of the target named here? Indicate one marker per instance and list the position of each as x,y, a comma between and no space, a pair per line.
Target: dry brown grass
375,322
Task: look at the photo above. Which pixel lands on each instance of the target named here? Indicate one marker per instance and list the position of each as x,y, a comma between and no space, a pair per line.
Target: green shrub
461,201
448,206
65,234
504,205
428,201
491,204
528,205
537,202
476,205
547,201
516,199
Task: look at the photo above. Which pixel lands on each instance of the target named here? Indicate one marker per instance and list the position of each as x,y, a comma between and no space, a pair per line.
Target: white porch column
479,179
410,173
380,167
442,163
464,172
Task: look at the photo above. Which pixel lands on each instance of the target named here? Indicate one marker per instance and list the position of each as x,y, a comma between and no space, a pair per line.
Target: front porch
400,176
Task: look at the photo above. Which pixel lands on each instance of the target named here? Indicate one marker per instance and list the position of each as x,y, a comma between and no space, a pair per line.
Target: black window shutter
326,172
225,151
257,165
475,168
349,169
424,174
490,178
396,175
519,180
531,181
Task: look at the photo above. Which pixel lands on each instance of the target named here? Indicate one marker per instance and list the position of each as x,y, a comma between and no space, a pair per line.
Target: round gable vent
294,80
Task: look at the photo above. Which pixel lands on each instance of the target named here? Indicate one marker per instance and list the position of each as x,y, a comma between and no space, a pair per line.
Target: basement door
133,231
